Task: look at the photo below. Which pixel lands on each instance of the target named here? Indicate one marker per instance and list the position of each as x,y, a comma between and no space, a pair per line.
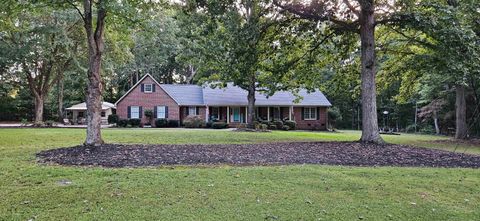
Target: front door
236,114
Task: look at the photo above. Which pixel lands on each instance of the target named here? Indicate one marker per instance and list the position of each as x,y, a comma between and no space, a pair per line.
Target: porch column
290,113
207,112
246,115
228,114
268,113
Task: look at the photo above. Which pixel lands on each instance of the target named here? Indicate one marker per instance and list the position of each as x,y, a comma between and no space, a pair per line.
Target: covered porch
239,114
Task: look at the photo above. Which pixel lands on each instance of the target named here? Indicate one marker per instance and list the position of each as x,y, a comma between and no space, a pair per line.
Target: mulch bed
330,153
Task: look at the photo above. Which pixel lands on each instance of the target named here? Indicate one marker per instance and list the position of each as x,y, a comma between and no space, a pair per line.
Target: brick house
229,104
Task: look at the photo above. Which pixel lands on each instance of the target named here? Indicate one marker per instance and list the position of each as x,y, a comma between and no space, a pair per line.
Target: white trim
310,113
228,114
145,88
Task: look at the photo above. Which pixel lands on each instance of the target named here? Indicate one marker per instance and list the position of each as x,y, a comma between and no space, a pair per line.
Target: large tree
348,16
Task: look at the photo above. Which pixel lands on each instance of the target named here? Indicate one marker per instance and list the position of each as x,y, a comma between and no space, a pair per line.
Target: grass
300,192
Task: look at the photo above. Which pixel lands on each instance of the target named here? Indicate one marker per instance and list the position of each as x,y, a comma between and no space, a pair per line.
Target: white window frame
192,113
145,88
137,112
312,113
161,112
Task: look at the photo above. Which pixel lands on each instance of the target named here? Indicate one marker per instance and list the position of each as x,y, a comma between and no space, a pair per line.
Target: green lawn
301,192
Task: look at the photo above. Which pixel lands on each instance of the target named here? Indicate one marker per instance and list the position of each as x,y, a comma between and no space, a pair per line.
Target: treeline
422,56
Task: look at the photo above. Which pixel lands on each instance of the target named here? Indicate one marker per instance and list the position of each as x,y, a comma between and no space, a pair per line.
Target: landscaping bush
263,127
113,119
194,122
149,115
161,123
241,126
278,124
285,127
291,124
135,122
272,127
24,122
122,122
219,125
173,123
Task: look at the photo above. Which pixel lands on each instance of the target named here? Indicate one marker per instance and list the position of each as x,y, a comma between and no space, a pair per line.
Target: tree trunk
461,131
39,101
251,103
435,121
370,131
60,99
94,87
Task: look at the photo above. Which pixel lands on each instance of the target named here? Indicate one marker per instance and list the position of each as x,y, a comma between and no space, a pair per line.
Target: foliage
219,125
161,123
113,119
135,122
194,122
122,122
286,128
272,127
173,123
291,124
278,124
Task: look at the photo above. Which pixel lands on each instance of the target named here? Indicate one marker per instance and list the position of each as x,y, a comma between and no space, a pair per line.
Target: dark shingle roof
235,96
184,94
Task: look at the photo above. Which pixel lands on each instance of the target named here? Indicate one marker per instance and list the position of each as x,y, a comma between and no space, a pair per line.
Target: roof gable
138,83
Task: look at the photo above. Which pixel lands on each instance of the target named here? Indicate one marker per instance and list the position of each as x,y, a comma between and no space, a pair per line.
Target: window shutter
166,111
303,113
197,110
281,113
129,114
140,113
142,87
155,112
318,113
186,111
153,87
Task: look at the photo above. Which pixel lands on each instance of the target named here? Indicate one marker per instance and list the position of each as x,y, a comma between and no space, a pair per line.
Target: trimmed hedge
135,122
161,123
113,119
194,122
122,123
291,124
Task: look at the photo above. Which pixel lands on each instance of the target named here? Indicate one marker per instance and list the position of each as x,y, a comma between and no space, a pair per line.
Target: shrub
112,119
278,124
122,122
263,127
161,123
24,122
219,125
285,127
194,122
149,115
241,126
272,126
135,122
291,124
173,123
50,123
410,128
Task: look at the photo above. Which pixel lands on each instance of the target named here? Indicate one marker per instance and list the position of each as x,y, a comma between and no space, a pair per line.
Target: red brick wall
201,112
320,124
148,101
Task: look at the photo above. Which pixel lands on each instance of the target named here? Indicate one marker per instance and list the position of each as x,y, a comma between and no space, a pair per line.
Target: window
81,114
276,113
161,112
134,112
103,113
192,111
310,113
148,88
215,115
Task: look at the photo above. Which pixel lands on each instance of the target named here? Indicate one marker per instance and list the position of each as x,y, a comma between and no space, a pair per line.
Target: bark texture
251,104
60,100
461,131
95,87
435,122
370,131
39,101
